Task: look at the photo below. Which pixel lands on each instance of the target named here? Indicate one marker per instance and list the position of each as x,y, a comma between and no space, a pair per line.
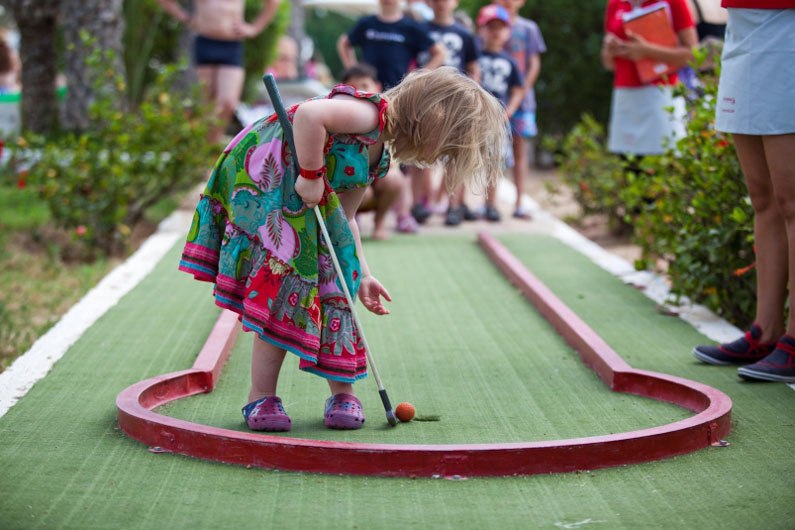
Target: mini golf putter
287,128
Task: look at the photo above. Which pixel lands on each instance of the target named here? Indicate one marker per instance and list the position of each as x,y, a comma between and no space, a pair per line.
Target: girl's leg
770,233
780,155
266,362
340,388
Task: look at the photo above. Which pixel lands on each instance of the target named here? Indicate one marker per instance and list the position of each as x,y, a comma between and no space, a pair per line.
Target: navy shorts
217,52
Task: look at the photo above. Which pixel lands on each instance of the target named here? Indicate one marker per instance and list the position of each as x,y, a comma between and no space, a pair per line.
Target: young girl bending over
255,234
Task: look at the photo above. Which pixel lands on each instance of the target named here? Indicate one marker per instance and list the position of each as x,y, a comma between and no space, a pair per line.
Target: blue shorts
209,52
523,124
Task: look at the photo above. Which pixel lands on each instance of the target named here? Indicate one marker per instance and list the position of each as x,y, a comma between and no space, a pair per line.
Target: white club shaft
348,296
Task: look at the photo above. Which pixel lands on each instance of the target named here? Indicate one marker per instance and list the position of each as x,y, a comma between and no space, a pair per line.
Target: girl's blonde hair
442,115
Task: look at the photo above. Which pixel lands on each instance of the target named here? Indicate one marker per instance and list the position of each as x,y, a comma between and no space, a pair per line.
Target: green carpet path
460,343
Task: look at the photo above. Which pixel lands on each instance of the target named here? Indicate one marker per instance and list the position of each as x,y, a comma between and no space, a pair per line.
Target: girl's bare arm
313,120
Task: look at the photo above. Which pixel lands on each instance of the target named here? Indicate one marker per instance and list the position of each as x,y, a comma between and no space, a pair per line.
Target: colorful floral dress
253,236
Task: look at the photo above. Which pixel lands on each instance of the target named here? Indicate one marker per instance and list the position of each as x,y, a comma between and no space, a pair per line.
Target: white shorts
639,123
756,94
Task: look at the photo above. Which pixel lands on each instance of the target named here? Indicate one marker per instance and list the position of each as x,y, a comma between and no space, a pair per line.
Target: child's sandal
344,411
267,414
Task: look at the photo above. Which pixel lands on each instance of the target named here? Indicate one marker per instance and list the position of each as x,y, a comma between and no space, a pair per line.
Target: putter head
391,418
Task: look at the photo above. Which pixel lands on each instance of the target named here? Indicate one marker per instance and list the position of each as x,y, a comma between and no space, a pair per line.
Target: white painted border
20,377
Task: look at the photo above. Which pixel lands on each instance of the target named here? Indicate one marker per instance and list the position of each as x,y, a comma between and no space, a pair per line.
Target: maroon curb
708,427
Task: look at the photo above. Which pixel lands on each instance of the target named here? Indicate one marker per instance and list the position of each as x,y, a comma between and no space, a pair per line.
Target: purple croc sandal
344,411
267,414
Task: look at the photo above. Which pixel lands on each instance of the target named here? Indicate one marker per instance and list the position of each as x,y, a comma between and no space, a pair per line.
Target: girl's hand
310,190
610,44
633,48
370,291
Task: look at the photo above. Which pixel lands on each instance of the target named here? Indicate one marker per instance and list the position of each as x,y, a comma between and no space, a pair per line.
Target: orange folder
653,23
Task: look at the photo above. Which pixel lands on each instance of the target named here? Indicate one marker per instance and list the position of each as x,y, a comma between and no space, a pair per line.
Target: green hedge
99,183
689,206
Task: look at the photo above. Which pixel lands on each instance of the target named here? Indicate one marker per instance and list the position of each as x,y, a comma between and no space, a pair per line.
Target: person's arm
246,30
370,289
313,120
609,48
533,69
438,55
473,69
515,99
636,47
173,8
346,51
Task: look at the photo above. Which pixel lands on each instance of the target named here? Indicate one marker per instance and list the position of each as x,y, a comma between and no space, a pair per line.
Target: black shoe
452,217
466,214
492,214
744,350
420,213
778,366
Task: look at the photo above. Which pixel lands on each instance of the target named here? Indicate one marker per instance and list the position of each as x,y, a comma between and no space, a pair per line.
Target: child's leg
491,213
421,192
519,166
387,190
406,222
266,361
338,387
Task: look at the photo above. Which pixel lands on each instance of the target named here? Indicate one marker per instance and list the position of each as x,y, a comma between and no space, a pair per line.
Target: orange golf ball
404,411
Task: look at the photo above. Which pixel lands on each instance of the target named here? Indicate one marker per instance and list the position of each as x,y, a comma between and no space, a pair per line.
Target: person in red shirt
755,104
639,123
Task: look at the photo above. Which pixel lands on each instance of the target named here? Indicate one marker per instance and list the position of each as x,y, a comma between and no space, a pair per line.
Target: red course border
709,426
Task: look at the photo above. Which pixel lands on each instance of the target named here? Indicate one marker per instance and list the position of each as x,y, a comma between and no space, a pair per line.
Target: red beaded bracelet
313,174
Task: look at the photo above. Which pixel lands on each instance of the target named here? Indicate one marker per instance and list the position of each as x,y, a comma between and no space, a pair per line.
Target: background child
391,41
525,46
255,235
499,75
462,53
384,192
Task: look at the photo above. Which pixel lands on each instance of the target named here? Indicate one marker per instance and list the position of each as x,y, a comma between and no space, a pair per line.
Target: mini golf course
462,344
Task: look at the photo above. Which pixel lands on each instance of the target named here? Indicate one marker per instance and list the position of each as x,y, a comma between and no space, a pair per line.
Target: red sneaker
746,349
778,366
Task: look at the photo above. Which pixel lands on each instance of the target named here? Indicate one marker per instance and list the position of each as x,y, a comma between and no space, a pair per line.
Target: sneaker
452,217
744,350
492,214
343,411
778,366
267,414
522,213
467,214
407,225
420,213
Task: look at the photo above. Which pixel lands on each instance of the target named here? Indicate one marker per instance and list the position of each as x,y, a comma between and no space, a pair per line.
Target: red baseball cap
493,12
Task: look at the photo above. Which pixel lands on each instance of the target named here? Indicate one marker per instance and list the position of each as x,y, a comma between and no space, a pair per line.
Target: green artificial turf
460,343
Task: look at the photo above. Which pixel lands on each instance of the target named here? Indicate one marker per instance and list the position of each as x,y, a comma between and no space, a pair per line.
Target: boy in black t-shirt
390,41
499,73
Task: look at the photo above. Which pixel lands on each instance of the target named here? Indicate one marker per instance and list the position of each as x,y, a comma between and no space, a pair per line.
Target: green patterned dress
254,237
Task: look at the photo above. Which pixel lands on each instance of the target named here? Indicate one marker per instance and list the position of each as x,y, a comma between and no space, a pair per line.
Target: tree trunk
102,20
36,20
